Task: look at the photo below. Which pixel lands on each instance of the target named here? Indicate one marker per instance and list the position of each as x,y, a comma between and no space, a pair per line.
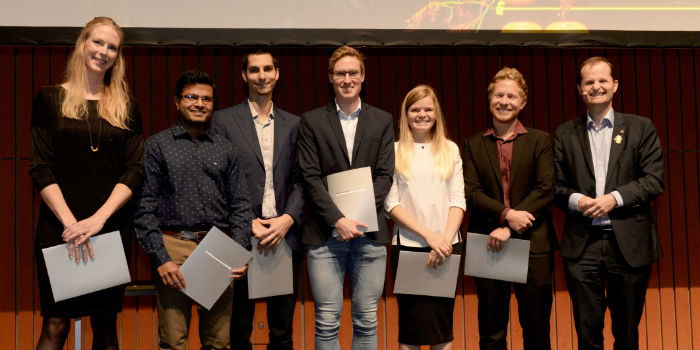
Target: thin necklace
96,147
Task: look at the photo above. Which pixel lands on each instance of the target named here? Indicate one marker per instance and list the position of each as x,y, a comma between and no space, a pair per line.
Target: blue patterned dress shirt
600,139
191,184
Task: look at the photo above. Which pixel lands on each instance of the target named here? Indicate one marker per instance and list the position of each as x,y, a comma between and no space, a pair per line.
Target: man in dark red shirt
510,179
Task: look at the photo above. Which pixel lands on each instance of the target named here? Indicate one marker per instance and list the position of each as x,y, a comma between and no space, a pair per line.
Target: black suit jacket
322,151
236,124
635,170
532,182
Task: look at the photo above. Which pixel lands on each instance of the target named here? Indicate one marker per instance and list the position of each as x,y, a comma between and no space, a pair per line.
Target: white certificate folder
272,274
413,276
70,279
510,264
207,271
352,191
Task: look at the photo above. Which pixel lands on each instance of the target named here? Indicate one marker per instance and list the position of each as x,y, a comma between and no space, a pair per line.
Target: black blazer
532,182
236,124
635,170
322,151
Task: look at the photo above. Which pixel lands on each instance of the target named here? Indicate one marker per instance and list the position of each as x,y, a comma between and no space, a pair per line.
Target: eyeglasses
191,98
354,74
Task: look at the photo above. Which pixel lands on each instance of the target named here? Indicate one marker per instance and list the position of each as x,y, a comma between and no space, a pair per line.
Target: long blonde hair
439,143
114,104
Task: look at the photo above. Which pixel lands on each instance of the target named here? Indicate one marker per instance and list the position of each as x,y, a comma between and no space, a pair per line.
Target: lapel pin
618,138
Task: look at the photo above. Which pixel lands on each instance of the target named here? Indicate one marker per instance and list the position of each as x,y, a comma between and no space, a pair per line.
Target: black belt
194,236
601,232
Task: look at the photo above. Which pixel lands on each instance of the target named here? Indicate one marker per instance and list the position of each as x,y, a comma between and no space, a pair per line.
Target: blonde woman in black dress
427,203
87,160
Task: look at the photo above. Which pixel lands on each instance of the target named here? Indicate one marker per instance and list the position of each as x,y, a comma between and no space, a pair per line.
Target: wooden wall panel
677,192
663,205
166,67
371,95
8,268
8,212
25,300
402,79
661,84
7,124
691,111
639,100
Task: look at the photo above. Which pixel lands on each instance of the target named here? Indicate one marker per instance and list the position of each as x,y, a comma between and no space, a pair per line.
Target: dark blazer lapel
244,120
334,120
363,120
518,145
616,148
582,131
491,149
280,125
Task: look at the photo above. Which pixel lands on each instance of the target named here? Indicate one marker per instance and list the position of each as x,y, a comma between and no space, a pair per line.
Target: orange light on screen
521,27
567,27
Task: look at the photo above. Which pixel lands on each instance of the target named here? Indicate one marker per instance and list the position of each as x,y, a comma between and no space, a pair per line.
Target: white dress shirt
349,125
266,139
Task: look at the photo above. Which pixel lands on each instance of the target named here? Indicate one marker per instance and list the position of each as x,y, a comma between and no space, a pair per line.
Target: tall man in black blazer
346,134
509,176
266,139
610,168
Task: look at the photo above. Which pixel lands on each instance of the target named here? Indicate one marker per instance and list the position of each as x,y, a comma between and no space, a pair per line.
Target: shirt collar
353,114
254,113
519,130
608,120
179,132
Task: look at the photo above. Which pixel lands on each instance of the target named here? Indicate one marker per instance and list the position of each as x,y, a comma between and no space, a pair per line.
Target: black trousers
280,314
600,279
534,306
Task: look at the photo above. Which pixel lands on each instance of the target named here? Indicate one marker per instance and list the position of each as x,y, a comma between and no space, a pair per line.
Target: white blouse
426,196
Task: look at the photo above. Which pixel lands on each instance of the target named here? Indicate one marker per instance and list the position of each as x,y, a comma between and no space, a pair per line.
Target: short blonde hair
344,51
507,73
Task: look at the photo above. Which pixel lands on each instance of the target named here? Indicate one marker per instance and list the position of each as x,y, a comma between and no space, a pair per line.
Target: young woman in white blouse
427,203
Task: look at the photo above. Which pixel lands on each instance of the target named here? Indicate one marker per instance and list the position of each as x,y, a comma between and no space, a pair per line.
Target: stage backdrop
661,84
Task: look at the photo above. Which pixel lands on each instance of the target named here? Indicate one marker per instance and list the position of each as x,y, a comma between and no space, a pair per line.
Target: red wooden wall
658,83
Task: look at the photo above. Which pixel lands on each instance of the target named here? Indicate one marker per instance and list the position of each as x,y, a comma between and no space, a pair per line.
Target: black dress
424,320
61,154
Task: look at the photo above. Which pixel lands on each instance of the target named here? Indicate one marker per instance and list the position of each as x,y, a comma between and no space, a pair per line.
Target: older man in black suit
609,169
266,139
345,134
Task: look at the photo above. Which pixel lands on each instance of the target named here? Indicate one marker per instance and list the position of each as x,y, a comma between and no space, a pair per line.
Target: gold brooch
618,139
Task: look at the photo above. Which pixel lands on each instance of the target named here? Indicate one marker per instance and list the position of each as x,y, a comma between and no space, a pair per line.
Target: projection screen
314,21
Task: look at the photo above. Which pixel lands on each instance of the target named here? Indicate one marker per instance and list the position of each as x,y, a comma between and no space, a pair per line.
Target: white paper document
510,264
70,279
414,277
207,271
352,192
272,274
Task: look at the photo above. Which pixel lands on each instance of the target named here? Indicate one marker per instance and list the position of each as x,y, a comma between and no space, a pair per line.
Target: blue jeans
366,262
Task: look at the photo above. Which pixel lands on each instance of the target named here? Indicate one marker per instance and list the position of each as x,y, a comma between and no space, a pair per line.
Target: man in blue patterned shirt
193,181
